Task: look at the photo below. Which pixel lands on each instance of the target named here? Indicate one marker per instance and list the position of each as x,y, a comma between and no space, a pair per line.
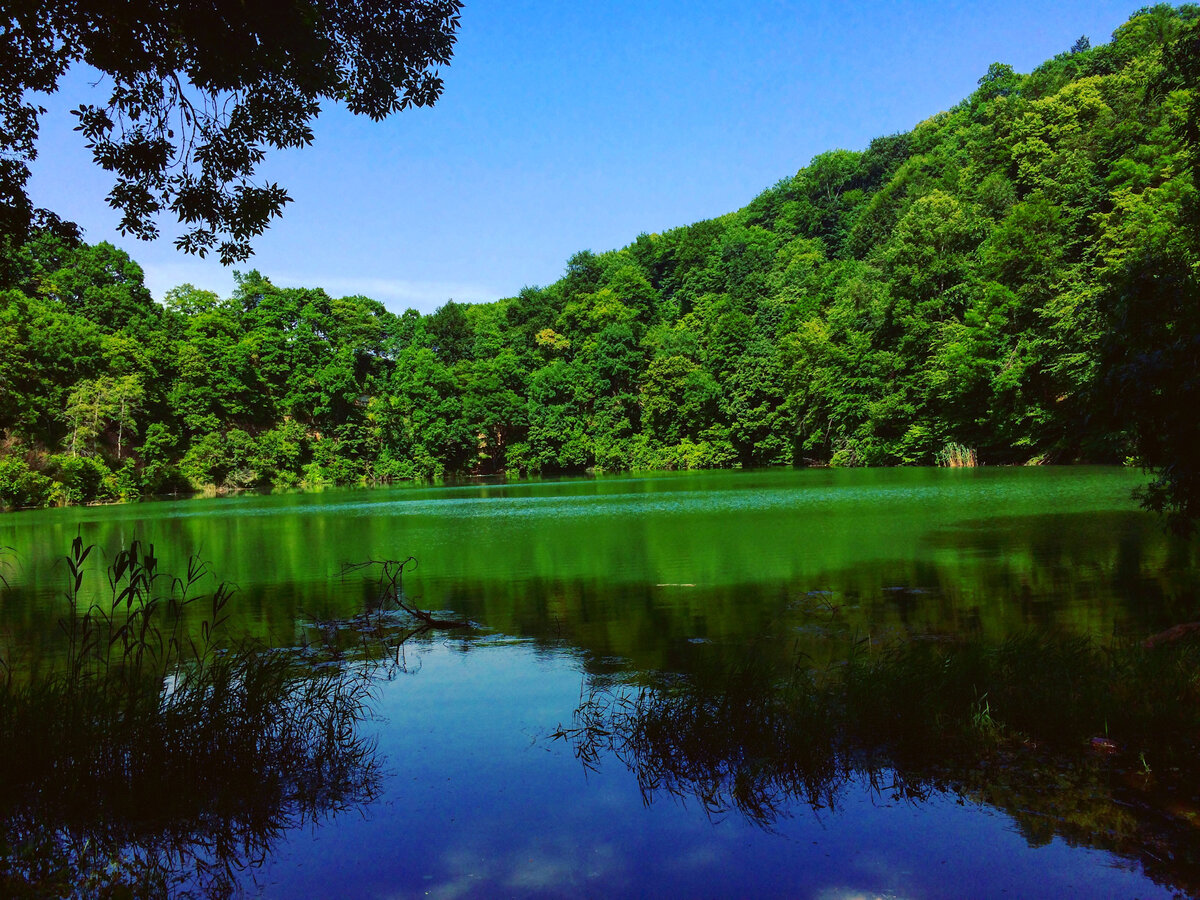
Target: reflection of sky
480,803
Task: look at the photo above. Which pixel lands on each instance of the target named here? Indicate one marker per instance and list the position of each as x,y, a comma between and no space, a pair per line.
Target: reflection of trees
740,748
1080,574
152,761
1011,726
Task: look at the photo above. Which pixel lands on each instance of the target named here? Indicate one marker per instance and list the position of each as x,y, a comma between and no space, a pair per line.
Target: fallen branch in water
430,620
391,583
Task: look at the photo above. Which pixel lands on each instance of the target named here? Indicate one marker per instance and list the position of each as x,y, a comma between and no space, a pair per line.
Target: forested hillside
991,282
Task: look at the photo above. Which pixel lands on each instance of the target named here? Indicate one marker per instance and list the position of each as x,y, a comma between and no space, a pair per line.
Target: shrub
21,487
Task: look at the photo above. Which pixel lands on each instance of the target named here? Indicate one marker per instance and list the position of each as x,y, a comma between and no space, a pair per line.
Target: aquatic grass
956,456
157,758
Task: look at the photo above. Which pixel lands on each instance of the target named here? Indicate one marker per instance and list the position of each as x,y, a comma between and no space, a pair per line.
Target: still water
619,580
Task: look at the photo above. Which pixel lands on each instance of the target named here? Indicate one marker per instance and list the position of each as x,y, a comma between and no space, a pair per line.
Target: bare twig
391,588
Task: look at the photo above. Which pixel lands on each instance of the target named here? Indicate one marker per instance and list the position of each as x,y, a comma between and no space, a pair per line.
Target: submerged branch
391,590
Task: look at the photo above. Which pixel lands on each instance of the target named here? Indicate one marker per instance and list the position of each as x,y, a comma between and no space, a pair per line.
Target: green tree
928,253
126,397
89,409
559,433
449,333
1151,352
679,399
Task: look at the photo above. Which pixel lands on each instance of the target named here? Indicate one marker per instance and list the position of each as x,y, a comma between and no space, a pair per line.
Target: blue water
480,803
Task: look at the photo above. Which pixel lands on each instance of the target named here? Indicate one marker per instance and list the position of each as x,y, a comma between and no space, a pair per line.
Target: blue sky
570,125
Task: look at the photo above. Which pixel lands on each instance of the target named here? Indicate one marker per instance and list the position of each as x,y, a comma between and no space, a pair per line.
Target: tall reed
956,456
161,756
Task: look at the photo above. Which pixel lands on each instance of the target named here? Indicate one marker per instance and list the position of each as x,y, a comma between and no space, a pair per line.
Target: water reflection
1000,548
913,724
174,807
150,759
765,749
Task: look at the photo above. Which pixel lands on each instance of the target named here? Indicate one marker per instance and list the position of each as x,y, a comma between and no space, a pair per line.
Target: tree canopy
198,92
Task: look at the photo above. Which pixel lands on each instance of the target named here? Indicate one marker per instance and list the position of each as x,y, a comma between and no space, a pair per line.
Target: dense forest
1012,281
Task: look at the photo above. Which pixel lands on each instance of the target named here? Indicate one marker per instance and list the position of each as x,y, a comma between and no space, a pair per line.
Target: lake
601,587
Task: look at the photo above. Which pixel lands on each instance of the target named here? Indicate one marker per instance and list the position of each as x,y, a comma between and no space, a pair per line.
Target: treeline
958,290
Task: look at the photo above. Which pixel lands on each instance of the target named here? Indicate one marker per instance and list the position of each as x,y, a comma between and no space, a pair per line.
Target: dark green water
631,576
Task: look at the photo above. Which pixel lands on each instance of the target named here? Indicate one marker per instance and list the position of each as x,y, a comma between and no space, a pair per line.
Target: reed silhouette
158,756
